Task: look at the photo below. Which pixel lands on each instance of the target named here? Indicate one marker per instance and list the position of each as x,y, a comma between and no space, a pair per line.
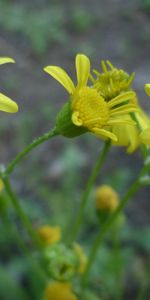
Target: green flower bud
61,262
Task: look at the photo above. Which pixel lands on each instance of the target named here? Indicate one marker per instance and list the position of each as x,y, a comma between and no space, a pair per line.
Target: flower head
107,198
59,291
60,261
88,109
112,81
6,104
49,234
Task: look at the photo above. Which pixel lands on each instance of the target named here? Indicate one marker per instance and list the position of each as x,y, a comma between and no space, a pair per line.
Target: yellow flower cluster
108,108
59,291
6,104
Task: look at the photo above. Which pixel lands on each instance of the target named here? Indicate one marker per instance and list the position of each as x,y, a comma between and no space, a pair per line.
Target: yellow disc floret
89,109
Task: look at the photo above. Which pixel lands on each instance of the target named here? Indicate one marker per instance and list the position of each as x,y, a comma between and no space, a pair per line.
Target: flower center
89,108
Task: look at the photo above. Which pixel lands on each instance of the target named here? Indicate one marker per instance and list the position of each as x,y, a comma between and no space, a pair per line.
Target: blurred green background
50,181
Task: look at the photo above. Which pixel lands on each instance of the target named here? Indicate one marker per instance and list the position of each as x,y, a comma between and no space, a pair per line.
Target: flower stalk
45,137
21,213
88,188
104,230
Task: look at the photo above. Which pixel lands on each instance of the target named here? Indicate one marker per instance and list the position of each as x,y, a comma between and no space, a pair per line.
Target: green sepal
64,125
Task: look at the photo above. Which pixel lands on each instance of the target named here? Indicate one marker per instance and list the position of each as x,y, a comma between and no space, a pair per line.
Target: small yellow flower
107,198
89,109
82,258
49,234
59,291
6,104
112,81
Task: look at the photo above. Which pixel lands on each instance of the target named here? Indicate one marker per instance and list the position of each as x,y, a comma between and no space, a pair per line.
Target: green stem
87,190
132,190
144,284
116,252
20,212
10,229
24,249
29,148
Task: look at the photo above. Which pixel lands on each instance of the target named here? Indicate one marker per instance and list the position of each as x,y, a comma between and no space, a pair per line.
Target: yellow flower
6,104
82,258
112,81
59,291
107,198
89,109
49,234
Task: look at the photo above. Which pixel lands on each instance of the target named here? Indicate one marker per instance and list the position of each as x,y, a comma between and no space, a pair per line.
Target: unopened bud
107,199
49,234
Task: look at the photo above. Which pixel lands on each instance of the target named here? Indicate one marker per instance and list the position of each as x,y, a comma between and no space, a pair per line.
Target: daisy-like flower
59,291
87,109
6,104
112,82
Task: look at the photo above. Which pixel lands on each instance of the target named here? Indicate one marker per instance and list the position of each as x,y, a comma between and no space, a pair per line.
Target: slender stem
132,190
24,249
116,252
144,284
87,190
29,148
10,229
20,212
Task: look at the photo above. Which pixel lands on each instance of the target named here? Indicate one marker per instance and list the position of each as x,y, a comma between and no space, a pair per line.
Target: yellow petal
5,60
127,135
76,119
145,137
7,105
121,98
105,134
62,77
82,69
121,122
147,89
